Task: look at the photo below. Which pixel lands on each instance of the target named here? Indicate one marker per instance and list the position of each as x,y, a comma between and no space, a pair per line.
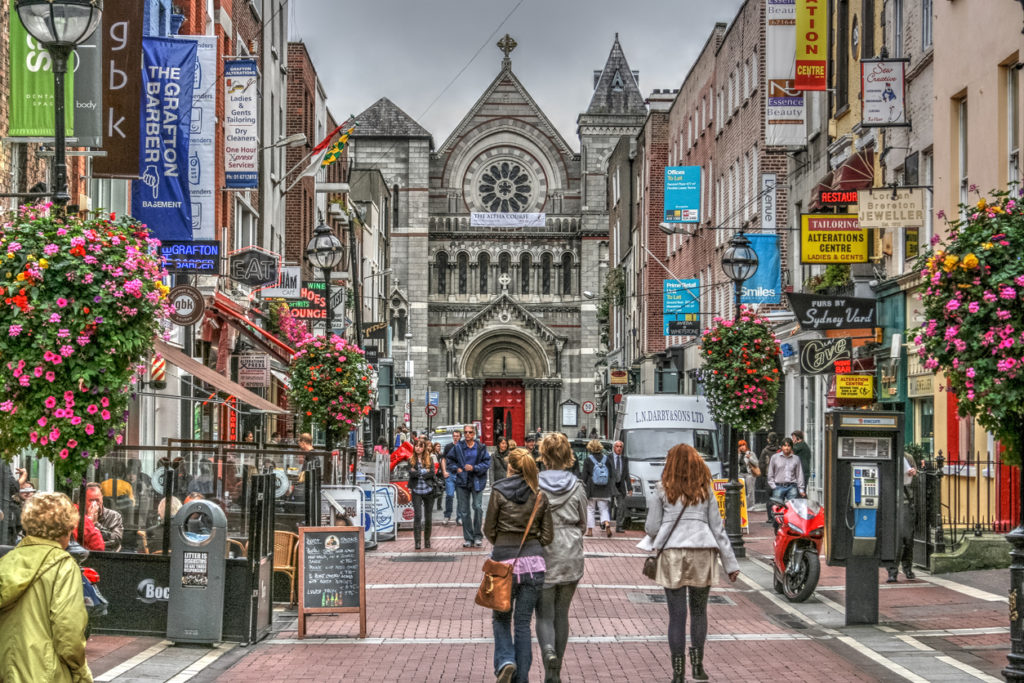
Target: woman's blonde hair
557,452
595,446
522,462
49,515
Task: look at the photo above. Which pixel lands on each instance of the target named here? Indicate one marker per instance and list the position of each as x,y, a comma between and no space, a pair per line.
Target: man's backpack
600,476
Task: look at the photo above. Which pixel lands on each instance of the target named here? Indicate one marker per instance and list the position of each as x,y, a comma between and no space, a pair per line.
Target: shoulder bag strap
536,504
674,525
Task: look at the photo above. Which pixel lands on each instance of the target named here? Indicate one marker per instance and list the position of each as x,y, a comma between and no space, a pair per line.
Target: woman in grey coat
683,521
567,499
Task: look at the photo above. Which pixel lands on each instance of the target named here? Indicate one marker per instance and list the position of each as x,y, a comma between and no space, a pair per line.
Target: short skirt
679,567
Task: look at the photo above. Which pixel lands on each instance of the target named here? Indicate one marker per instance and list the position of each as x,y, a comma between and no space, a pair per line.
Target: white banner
290,286
883,87
769,206
241,135
254,370
785,106
507,220
201,170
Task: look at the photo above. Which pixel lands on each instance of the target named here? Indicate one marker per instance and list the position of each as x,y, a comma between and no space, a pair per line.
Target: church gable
505,311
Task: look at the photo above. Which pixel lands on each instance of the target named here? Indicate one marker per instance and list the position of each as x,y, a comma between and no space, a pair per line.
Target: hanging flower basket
741,371
330,384
974,310
80,304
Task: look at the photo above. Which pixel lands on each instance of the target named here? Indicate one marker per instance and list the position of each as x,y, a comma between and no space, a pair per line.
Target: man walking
621,479
785,474
904,524
802,451
469,460
449,481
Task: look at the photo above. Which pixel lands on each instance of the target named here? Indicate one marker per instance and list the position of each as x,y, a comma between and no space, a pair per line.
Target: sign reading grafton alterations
832,238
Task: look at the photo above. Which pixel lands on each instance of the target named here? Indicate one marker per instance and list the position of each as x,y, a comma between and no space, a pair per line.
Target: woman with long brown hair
422,466
519,525
686,527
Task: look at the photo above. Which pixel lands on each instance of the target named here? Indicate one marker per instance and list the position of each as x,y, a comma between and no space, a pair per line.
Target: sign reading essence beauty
815,312
818,356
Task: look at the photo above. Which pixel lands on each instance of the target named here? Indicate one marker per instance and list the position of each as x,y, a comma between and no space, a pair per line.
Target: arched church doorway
504,410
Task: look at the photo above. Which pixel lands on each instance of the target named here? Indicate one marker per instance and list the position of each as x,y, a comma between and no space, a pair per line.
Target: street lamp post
59,26
739,262
408,375
325,251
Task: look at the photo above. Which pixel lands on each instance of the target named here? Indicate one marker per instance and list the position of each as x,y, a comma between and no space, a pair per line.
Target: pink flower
105,414
37,371
33,437
92,409
970,373
76,420
62,302
104,401
50,402
55,318
89,428
41,421
50,376
14,330
72,443
952,305
64,454
54,434
973,307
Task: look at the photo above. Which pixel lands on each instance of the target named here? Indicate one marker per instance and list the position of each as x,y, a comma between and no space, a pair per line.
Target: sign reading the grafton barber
815,312
818,356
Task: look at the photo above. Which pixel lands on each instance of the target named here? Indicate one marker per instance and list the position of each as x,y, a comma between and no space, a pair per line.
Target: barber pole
158,373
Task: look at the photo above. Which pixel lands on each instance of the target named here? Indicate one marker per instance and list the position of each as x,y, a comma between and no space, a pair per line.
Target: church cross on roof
506,45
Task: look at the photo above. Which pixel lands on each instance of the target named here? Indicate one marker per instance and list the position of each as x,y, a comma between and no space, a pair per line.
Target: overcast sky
410,50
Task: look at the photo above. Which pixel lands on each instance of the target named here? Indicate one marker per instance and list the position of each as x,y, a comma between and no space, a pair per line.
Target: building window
525,268
401,324
867,29
926,24
441,271
1012,125
842,54
961,133
567,273
897,28
504,262
463,265
545,273
484,263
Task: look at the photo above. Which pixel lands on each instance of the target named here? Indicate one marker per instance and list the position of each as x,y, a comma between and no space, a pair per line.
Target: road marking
129,664
968,669
584,640
966,590
825,601
892,666
598,586
946,632
206,660
914,643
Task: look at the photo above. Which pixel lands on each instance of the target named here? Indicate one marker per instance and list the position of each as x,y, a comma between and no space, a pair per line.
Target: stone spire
615,89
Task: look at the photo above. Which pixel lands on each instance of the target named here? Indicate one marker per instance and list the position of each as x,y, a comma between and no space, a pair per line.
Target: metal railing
978,495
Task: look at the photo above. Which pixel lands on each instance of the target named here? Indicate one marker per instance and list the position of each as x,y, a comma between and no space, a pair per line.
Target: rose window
505,187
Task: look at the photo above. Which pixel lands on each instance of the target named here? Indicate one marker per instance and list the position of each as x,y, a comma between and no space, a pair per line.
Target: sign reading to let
856,387
832,238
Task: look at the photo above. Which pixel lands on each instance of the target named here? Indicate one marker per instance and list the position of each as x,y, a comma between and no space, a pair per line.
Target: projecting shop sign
832,238
241,141
682,194
885,208
815,312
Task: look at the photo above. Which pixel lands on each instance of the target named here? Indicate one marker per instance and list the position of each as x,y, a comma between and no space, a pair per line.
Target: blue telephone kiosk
864,507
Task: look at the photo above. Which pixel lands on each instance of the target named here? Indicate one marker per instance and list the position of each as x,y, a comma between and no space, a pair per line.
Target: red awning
856,173
235,314
825,185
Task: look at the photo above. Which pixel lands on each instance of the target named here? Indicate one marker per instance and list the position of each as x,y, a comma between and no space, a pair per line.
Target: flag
334,153
316,157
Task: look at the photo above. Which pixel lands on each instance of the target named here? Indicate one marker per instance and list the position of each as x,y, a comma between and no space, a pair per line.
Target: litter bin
199,540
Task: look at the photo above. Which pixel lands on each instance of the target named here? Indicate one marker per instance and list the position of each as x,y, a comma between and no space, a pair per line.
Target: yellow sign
811,45
855,386
719,487
618,377
832,238
883,208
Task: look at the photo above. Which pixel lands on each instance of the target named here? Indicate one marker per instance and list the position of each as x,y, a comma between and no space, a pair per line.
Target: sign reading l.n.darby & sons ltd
816,312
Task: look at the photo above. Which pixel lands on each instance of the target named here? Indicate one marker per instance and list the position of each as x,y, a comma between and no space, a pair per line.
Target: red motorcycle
799,532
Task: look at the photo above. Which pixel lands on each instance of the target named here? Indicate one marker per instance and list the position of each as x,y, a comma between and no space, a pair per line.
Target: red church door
504,410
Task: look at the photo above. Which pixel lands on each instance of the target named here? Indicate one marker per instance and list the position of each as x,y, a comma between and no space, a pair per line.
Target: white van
649,425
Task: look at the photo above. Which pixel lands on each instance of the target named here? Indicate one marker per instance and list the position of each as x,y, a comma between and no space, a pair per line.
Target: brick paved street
423,626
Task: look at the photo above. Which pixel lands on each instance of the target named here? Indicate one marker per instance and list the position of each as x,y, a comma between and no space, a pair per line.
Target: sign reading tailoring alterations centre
832,238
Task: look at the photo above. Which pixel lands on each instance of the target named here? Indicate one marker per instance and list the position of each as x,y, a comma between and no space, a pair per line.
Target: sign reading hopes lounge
815,312
818,356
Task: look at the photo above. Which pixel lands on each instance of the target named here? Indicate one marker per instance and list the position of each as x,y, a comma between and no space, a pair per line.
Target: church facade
499,252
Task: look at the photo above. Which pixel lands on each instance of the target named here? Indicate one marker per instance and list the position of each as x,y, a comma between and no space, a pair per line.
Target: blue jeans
449,496
472,525
786,492
512,642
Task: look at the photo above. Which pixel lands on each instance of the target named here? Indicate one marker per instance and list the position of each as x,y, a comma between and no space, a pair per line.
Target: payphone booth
864,475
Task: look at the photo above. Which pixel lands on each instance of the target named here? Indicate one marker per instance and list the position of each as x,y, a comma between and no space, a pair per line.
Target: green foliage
741,371
974,308
330,383
835,275
82,303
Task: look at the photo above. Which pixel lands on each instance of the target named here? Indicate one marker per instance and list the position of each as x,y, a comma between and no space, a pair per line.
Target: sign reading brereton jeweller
815,312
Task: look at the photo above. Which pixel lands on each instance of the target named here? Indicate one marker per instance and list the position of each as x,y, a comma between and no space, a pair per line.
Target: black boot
416,536
697,664
552,667
426,537
679,669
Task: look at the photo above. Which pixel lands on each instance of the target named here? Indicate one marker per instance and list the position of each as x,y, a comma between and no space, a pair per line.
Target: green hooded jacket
42,615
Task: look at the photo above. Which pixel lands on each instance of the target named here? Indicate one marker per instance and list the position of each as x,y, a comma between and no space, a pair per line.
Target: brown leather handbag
495,591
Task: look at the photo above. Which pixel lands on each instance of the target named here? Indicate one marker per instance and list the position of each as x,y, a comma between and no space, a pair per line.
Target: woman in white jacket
686,527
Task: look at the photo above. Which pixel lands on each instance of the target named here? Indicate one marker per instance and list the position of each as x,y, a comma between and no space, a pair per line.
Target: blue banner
161,198
766,285
681,307
682,194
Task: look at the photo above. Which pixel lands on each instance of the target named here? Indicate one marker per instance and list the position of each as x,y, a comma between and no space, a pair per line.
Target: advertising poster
785,108
160,198
31,104
681,307
811,44
855,387
88,78
241,138
832,238
682,194
201,171
122,89
883,92
485,219
765,286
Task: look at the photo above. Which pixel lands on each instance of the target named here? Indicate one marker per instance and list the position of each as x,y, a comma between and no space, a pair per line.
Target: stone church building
499,250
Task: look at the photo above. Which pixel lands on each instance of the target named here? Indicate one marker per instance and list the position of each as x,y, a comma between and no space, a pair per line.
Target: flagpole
321,148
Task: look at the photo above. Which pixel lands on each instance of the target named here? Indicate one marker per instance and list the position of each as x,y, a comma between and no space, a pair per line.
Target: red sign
836,198
588,407
843,367
431,410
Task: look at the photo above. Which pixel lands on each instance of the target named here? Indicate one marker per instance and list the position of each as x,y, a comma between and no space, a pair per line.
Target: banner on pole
202,124
883,92
122,89
31,104
785,107
241,136
765,286
160,199
88,78
811,45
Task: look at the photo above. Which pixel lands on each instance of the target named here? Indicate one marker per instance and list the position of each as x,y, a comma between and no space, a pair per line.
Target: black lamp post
59,26
325,251
739,262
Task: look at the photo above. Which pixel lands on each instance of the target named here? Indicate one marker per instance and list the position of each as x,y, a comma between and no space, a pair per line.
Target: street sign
402,382
431,410
434,397
588,407
188,303
254,266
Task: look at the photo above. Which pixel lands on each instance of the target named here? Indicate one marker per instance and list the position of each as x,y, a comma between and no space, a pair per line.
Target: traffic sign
588,407
431,410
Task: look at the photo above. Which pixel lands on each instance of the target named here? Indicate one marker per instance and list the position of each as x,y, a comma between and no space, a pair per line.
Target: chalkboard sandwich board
332,573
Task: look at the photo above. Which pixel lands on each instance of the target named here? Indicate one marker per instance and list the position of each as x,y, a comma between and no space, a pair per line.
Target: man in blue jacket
469,460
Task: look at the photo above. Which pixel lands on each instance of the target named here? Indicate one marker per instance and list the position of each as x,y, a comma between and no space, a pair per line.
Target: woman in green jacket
42,610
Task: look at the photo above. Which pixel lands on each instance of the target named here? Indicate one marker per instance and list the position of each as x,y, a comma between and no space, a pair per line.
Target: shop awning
282,378
235,315
856,173
215,379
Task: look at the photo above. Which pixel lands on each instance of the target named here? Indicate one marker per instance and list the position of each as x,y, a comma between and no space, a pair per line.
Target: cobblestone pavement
424,626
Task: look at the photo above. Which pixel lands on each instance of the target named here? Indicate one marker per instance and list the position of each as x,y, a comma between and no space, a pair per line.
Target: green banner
31,110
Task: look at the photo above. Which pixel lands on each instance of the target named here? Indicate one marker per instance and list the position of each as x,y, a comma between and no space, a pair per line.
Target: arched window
545,273
463,263
442,272
504,262
401,324
566,273
484,263
525,267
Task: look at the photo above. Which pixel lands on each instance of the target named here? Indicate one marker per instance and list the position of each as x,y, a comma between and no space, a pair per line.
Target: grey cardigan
700,527
568,501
